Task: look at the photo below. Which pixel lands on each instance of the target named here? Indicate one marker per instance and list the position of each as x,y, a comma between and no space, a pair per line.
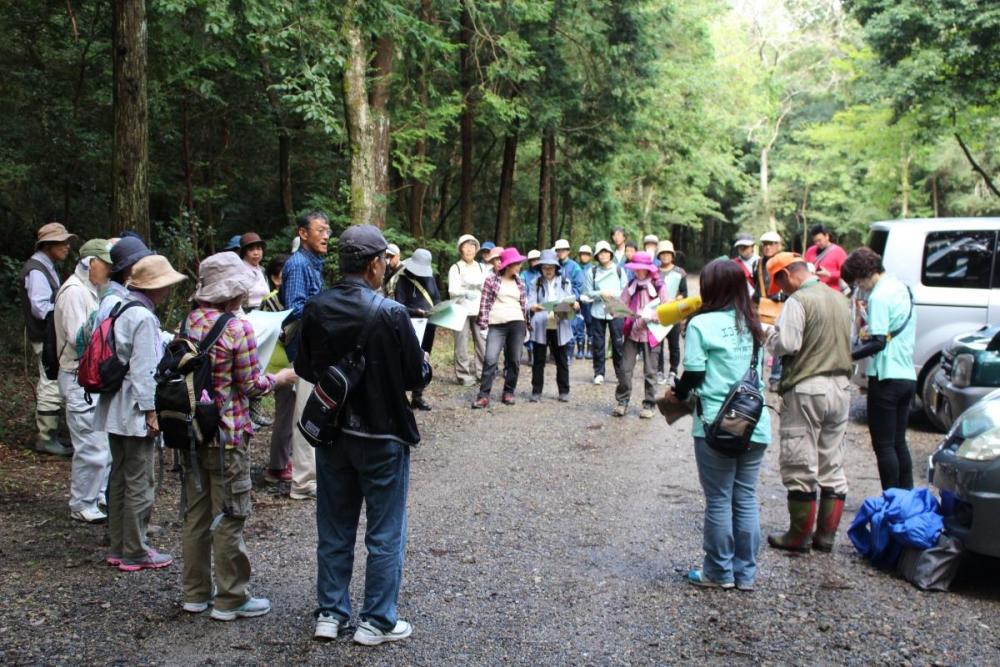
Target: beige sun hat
53,232
223,277
154,272
665,246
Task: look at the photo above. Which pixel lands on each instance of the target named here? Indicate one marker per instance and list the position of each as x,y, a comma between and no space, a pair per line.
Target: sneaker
153,560
535,398
698,578
598,379
195,607
272,476
646,412
746,586
620,410
508,399
249,609
308,494
480,403
369,635
564,398
661,378
113,559
89,515
327,626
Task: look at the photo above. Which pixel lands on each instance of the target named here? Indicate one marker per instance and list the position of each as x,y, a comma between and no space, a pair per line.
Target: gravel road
542,533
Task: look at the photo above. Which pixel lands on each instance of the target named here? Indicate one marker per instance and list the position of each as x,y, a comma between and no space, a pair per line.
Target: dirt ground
544,533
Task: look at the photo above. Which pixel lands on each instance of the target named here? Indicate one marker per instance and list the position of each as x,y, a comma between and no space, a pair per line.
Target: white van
953,267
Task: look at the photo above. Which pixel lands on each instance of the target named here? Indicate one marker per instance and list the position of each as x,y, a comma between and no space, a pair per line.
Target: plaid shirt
490,289
301,279
236,375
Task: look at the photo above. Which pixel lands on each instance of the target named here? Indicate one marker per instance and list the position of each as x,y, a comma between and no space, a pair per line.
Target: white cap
651,238
585,250
534,254
561,244
392,250
770,237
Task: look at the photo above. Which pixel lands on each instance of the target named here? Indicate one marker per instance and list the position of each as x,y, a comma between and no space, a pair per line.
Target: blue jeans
376,471
732,525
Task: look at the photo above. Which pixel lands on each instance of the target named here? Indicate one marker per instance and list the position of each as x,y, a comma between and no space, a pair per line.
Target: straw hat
154,272
223,277
53,232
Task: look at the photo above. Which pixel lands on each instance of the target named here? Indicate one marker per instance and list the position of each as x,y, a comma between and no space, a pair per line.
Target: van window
958,259
877,240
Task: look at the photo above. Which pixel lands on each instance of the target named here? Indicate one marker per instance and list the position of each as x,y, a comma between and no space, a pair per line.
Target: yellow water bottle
675,311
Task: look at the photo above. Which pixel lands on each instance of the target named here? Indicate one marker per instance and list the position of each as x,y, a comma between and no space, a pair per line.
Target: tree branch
975,166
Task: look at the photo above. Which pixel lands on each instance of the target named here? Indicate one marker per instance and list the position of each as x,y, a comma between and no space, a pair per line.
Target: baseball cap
742,240
782,261
99,248
770,237
361,241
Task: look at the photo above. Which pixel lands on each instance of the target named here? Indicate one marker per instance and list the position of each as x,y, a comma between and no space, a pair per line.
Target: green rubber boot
831,509
802,515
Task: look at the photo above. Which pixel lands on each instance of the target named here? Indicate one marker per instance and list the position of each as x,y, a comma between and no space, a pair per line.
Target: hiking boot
369,635
308,494
481,402
508,399
535,398
564,398
646,412
598,379
831,509
152,560
52,446
90,515
257,415
418,403
620,410
249,609
272,476
802,520
327,626
698,578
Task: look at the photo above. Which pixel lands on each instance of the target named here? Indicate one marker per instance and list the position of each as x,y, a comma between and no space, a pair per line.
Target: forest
520,121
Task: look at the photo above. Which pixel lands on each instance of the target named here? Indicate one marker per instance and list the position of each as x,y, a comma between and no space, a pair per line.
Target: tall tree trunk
553,192
418,187
284,143
130,161
468,116
359,121
505,200
380,126
544,186
647,209
904,186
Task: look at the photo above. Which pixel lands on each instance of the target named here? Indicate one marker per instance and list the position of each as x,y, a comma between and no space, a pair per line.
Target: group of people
791,306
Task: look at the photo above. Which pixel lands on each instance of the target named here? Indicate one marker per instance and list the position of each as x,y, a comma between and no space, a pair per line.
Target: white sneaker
249,609
308,494
369,635
194,607
327,626
598,379
89,515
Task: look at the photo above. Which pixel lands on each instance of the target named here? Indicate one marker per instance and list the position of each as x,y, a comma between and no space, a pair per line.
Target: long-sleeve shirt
38,288
831,259
301,278
260,288
540,291
412,298
637,297
138,344
75,301
236,376
785,337
598,279
465,283
490,290
571,269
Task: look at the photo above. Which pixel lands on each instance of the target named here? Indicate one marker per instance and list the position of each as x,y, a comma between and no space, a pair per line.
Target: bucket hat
127,252
650,238
251,238
510,256
493,254
223,277
419,263
534,254
641,261
392,250
585,250
561,244
467,238
53,232
602,246
99,248
665,246
549,258
154,272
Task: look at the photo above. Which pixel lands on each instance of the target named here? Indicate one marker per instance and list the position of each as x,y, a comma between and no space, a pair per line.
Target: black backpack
731,430
185,398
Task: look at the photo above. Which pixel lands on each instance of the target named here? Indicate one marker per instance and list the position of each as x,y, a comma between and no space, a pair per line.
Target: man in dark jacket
369,458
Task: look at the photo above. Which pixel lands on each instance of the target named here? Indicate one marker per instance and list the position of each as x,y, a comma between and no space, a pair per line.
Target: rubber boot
579,350
587,353
802,516
831,509
47,440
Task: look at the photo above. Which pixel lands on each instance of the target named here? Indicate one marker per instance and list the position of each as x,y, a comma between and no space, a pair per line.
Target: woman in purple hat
645,287
503,320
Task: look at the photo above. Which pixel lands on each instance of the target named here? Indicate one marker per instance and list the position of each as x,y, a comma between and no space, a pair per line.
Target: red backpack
100,371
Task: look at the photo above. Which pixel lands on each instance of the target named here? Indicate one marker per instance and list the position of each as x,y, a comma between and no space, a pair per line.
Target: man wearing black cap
369,458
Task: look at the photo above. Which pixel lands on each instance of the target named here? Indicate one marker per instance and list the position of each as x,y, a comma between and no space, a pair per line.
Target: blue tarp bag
898,518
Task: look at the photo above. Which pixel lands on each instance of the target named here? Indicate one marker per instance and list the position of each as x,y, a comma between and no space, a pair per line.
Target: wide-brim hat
419,263
549,258
665,246
99,248
53,232
223,277
510,256
467,238
126,252
641,261
782,261
251,239
154,272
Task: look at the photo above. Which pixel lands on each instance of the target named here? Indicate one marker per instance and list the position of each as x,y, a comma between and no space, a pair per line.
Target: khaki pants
220,487
630,350
466,368
131,488
813,427
48,401
303,454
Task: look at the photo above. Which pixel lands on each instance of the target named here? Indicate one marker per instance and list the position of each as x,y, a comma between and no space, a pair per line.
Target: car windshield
981,417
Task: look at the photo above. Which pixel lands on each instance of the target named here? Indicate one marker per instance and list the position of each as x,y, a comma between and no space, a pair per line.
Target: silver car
953,267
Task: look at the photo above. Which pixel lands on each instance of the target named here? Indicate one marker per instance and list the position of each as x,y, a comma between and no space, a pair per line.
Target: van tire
926,396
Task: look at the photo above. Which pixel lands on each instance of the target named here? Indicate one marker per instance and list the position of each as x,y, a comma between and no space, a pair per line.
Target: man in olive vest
38,286
812,335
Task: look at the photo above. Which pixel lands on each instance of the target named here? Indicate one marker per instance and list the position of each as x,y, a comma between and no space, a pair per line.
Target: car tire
927,397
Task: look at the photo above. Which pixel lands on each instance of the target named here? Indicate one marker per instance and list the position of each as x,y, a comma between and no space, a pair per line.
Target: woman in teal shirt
717,353
892,380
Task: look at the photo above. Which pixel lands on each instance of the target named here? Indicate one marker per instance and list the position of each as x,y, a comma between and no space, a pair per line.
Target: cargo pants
814,417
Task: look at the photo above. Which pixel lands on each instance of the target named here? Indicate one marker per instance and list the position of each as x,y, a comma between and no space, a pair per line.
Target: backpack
185,398
100,370
731,430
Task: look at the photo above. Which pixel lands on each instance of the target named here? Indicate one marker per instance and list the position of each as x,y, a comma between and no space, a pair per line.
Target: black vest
34,326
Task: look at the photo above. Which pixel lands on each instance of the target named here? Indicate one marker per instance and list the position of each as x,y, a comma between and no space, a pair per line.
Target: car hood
974,341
